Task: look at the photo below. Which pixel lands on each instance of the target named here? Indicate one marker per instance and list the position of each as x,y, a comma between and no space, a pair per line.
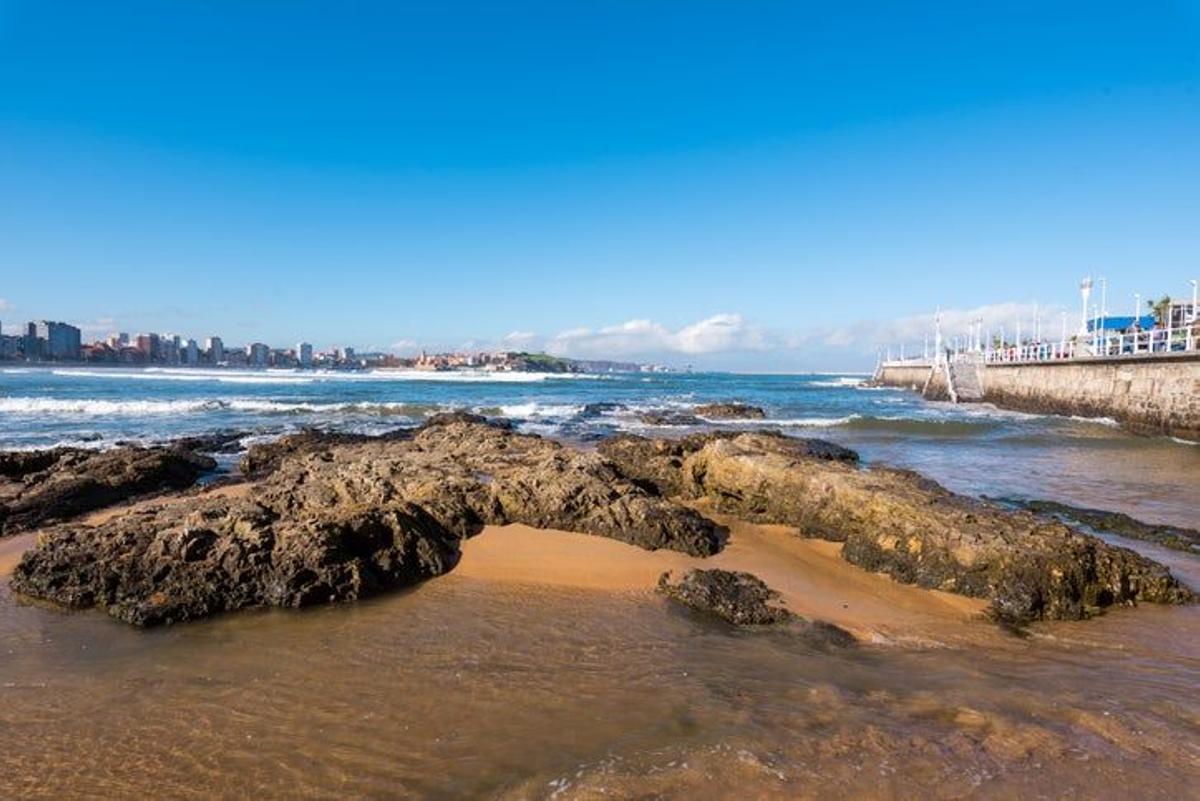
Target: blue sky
740,185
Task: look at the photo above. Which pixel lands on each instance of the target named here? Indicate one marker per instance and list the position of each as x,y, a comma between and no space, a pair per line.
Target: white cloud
99,328
405,347
5,305
869,335
519,338
720,333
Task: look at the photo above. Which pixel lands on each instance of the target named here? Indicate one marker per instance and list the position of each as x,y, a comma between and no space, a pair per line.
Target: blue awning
1146,321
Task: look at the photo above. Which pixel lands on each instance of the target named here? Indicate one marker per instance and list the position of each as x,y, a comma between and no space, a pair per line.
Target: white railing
1138,344
1154,342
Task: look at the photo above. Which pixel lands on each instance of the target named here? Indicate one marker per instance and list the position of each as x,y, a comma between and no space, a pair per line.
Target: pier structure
1141,371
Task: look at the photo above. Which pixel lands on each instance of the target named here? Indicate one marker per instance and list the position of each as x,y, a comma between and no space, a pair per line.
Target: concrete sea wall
907,377
1159,395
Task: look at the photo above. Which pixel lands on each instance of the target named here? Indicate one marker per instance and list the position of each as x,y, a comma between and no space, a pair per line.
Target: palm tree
1161,309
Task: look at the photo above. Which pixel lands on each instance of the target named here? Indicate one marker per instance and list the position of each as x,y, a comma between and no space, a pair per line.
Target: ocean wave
842,382
786,422
533,409
97,407
1108,422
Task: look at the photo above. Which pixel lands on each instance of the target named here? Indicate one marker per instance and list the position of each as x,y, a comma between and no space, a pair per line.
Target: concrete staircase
964,380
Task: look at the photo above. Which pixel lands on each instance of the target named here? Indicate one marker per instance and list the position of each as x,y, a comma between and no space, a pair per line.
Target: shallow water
466,688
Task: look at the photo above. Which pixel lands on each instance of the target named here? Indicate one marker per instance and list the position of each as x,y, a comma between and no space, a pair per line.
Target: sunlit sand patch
809,574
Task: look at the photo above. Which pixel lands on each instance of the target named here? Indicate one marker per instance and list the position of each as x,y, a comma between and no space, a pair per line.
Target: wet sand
545,667
810,576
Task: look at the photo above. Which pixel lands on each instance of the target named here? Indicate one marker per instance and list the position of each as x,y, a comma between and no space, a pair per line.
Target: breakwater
1153,394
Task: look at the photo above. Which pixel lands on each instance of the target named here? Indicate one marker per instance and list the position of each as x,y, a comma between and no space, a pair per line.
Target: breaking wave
95,407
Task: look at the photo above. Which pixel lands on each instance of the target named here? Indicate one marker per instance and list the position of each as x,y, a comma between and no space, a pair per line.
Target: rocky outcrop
1175,537
738,598
730,411
660,462
338,519
897,522
333,518
743,599
184,561
669,418
41,487
469,472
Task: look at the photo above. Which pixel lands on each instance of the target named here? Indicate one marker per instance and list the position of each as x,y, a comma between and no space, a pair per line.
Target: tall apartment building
216,350
58,340
191,353
304,352
257,354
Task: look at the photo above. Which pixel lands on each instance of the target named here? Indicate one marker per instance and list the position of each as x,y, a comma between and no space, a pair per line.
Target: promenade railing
1155,342
1152,342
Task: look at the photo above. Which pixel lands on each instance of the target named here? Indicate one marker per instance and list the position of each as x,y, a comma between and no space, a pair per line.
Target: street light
1195,284
1085,289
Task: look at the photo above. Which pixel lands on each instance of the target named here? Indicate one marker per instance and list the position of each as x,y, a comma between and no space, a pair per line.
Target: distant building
191,353
58,340
257,354
1182,313
10,346
215,349
346,354
147,346
304,352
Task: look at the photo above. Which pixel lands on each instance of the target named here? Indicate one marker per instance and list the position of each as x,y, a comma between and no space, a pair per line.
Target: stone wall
906,377
1150,396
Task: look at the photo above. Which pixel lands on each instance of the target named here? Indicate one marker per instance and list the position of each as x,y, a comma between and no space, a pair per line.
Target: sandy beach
811,577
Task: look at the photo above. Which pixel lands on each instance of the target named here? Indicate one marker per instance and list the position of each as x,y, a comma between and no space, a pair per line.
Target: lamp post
937,337
1103,298
1085,289
1137,306
1195,313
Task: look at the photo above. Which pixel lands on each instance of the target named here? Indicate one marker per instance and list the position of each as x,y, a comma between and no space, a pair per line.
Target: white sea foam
1102,421
840,383
540,410
788,422
96,407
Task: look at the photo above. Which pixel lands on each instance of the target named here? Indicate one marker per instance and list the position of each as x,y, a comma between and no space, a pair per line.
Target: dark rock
738,598
1175,537
669,418
593,410
44,487
730,411
264,457
743,599
182,562
342,518
217,442
660,461
899,523
469,473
